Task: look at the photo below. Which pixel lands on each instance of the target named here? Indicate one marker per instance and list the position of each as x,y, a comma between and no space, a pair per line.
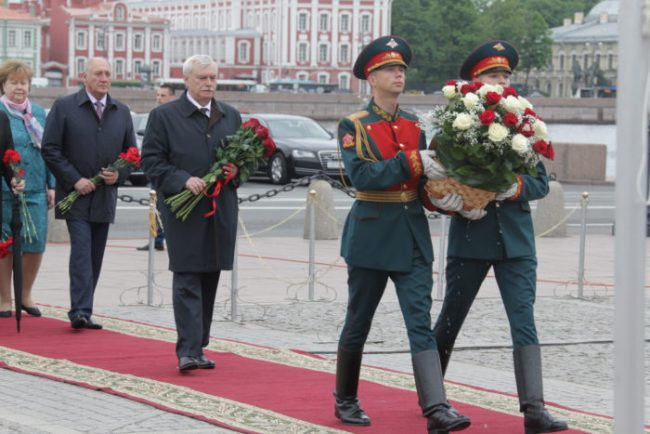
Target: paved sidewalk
273,309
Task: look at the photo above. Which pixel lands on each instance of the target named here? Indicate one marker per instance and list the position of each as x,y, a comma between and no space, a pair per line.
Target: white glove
508,193
450,202
432,169
473,214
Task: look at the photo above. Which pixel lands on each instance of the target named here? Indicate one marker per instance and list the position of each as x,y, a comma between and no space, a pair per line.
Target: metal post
234,285
630,244
312,242
583,236
442,255
150,264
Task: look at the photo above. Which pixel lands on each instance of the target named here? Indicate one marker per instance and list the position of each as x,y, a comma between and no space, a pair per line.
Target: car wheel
278,171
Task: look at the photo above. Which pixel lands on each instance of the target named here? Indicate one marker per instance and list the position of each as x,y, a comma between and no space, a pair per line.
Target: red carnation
487,117
492,98
466,88
544,148
550,151
478,85
451,82
526,129
4,247
510,120
509,91
11,157
530,112
269,147
21,173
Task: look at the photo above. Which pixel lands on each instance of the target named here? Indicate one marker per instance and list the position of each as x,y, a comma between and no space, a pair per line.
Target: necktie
205,111
99,108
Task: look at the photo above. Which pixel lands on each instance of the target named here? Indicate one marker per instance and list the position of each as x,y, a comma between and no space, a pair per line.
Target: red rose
550,151
466,88
530,112
11,157
487,117
4,247
510,120
269,147
251,123
21,173
492,98
262,132
451,82
509,91
478,85
544,148
526,129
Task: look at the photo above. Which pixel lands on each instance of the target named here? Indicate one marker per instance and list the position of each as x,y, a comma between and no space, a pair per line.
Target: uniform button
404,196
404,186
498,205
406,207
395,126
208,135
401,145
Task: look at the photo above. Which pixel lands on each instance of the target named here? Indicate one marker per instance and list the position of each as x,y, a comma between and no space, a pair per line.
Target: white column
631,135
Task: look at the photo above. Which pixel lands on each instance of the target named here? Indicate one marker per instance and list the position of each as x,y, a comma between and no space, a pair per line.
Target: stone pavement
273,309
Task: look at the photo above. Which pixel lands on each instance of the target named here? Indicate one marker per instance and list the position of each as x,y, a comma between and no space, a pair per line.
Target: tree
555,11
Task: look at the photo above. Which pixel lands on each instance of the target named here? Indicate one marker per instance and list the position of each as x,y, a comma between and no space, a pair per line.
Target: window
560,90
561,62
119,41
344,53
27,39
155,68
323,53
302,52
81,66
303,22
120,13
99,40
302,76
322,78
344,81
12,38
345,23
81,40
156,43
585,61
243,52
137,66
138,42
119,67
610,61
365,23
597,60
324,23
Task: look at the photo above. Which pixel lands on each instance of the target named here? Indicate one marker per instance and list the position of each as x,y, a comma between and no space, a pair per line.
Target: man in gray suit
178,150
84,133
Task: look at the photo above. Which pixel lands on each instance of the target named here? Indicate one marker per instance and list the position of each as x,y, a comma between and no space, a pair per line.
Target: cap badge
499,47
392,43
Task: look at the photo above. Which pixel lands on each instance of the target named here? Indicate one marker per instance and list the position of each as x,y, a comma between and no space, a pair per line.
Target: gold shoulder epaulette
358,115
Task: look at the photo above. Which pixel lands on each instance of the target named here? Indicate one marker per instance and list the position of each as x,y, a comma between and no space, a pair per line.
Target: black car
137,177
304,148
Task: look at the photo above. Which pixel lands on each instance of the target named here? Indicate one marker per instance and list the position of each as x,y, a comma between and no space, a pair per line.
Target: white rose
497,132
463,122
449,91
520,144
540,129
524,102
511,104
490,88
470,100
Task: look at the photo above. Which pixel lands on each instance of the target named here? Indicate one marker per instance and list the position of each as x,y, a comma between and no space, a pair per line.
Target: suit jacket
507,229
77,144
381,154
180,142
6,142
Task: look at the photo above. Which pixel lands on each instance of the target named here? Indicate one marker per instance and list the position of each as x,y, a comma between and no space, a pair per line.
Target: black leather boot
347,407
528,373
431,395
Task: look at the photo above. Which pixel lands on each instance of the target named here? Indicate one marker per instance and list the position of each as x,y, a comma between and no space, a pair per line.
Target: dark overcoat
6,142
180,142
77,144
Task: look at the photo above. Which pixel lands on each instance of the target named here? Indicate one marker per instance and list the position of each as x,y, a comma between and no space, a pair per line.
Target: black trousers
87,245
193,299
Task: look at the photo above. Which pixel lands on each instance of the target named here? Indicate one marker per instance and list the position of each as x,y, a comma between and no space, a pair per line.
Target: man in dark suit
386,235
178,150
84,133
500,237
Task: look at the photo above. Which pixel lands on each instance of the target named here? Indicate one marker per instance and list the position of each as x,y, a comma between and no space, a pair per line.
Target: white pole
233,284
150,263
312,242
442,256
583,238
631,134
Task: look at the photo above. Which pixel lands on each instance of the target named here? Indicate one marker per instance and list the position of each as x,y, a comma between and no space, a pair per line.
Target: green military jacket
507,229
382,160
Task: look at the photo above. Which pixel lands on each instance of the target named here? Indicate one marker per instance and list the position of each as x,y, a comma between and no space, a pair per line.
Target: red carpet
253,389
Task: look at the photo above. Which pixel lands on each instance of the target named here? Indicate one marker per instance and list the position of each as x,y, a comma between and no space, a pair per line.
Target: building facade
268,40
20,38
584,55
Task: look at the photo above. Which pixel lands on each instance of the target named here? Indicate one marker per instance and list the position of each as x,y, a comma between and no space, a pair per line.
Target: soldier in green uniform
501,237
386,234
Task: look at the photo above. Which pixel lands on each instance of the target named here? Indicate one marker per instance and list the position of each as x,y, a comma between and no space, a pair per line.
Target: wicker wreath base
472,197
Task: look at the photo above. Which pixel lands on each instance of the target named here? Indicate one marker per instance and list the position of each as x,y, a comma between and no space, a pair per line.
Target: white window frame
28,41
365,23
137,66
156,68
156,42
344,53
302,76
81,40
140,46
324,22
303,52
122,46
11,39
80,65
119,67
344,81
243,52
345,19
300,25
323,53
100,40
323,78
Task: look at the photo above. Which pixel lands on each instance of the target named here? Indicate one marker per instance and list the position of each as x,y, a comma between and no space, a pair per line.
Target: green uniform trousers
365,289
516,278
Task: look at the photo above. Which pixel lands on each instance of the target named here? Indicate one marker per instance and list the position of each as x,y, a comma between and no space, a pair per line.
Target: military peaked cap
493,55
387,50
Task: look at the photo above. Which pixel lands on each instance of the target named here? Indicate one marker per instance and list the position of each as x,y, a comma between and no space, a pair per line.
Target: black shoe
78,322
90,324
143,248
5,314
538,420
187,364
205,363
444,418
159,246
33,311
349,411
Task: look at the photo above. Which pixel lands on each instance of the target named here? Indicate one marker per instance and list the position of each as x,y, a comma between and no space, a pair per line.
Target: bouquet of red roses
130,158
11,159
4,247
250,145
